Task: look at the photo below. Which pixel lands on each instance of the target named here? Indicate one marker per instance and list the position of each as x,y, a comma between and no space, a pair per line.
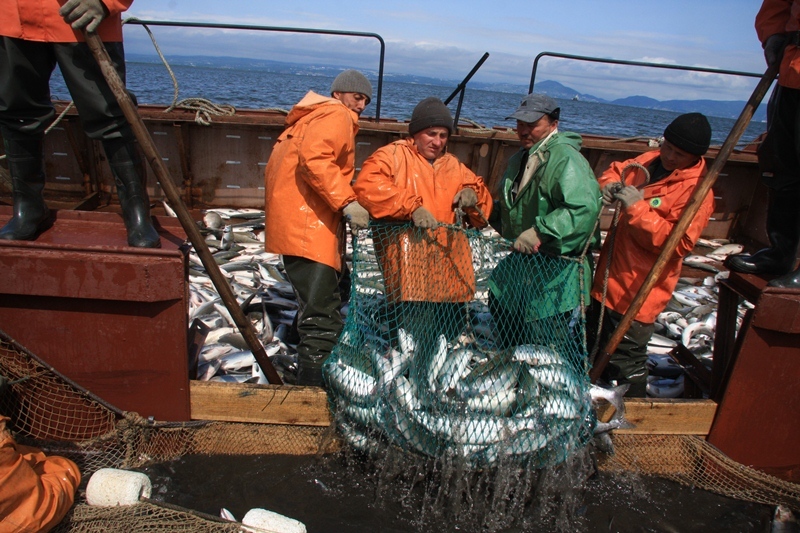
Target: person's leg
25,112
779,163
319,322
103,119
628,363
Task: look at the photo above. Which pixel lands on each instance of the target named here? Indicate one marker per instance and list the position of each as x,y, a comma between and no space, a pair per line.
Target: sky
446,38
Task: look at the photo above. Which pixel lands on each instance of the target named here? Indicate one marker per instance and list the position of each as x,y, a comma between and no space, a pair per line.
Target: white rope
202,107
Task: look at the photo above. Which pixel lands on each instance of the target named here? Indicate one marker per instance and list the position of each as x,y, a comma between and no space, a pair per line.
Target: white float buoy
109,487
273,522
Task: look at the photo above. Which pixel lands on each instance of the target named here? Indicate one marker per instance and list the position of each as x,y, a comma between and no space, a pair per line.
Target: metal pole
683,223
196,238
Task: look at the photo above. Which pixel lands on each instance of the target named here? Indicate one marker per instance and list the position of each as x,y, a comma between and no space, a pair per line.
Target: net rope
455,345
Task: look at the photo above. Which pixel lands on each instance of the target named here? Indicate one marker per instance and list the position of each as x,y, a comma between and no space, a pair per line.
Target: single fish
213,220
406,342
438,360
614,423
168,210
235,361
455,368
724,251
613,396
698,328
498,404
535,354
353,384
784,521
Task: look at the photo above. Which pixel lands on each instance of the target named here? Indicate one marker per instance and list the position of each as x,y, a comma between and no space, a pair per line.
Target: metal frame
281,29
634,63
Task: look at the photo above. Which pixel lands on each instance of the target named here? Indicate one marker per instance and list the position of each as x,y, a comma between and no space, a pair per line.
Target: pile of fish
690,318
262,291
460,401
268,299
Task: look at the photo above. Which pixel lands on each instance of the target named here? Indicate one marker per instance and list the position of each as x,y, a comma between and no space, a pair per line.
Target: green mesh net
455,345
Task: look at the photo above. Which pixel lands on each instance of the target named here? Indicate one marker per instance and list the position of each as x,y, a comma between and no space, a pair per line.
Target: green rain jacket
562,201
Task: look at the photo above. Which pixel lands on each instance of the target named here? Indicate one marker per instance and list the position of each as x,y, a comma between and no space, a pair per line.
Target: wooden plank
664,416
267,404
308,406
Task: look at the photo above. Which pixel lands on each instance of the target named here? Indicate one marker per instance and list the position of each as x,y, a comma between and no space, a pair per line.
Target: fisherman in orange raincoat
428,270
778,28
35,35
307,197
649,212
36,491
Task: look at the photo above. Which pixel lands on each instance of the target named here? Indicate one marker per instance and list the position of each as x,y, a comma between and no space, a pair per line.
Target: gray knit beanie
429,113
352,81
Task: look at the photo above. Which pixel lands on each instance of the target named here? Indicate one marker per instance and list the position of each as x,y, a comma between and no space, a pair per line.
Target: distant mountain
715,108
557,90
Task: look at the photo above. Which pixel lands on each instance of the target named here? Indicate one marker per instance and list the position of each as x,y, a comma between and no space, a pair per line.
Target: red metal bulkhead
110,317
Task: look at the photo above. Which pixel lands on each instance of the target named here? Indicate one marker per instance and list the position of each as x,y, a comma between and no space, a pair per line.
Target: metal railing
635,63
285,30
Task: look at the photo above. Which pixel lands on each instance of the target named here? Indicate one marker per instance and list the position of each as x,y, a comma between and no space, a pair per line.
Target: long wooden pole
196,238
685,220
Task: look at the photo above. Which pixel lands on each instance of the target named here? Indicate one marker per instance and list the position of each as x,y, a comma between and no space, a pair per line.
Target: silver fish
237,360
353,384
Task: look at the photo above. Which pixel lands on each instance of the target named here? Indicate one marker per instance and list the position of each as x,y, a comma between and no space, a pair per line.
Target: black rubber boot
309,373
783,230
123,157
788,281
31,216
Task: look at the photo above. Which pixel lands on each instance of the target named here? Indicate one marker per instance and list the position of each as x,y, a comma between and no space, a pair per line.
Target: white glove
82,14
423,218
358,217
528,242
465,198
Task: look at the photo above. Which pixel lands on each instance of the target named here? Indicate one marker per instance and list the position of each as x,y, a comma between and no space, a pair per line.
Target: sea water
348,492
151,83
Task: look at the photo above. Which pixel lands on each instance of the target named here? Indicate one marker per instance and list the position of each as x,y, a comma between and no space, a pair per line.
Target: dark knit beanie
690,132
352,81
429,113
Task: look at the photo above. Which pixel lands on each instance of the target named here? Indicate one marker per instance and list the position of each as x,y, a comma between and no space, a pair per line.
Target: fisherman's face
673,158
354,101
430,142
530,133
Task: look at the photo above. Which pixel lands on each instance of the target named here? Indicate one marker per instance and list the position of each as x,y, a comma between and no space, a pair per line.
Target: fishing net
51,412
456,346
694,462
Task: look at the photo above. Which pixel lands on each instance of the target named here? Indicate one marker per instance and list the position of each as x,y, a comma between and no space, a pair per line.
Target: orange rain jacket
307,181
394,181
38,20
781,16
36,491
642,230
